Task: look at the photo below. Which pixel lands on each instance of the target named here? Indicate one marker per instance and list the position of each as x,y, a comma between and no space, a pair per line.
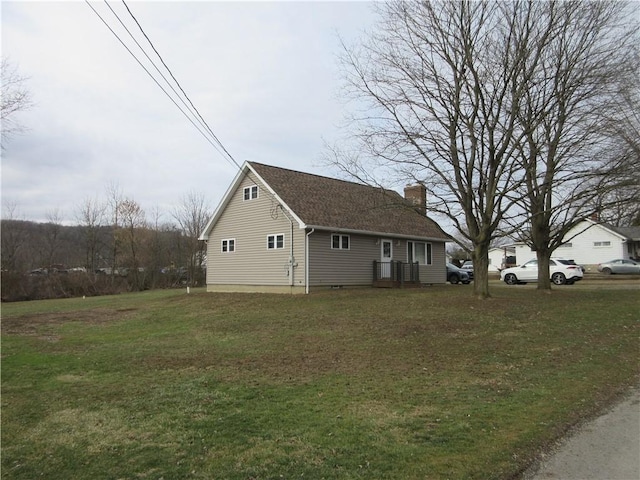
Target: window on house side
601,244
340,242
419,252
250,193
228,245
275,241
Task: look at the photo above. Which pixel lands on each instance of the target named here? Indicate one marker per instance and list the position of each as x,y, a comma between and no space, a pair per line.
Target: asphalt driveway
607,448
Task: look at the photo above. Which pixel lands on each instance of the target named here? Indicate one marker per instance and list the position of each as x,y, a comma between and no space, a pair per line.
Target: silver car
620,265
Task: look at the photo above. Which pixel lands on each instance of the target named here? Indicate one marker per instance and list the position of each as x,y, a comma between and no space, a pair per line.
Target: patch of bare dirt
39,324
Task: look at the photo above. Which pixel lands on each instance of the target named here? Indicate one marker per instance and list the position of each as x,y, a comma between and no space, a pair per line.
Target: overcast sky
264,75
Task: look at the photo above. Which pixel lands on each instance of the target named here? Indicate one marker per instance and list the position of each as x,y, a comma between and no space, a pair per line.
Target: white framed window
275,241
601,244
340,242
250,193
566,245
419,252
228,245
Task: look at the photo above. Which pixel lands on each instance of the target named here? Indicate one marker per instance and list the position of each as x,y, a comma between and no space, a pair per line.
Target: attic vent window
601,244
250,193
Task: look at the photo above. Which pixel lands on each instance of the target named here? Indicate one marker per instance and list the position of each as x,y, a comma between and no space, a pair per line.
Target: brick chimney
417,195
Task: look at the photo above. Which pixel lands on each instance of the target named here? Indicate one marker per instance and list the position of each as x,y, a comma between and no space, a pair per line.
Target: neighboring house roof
504,248
328,203
632,233
625,233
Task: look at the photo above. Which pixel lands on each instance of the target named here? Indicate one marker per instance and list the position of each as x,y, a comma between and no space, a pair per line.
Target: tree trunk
481,271
544,282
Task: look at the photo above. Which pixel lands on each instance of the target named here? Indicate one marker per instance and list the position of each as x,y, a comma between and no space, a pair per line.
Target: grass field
353,384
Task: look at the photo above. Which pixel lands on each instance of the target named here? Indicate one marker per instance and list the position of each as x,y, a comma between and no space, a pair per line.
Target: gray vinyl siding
249,222
333,267
329,266
437,271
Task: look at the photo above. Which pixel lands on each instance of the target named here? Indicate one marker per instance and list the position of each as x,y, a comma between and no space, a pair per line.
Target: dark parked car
457,275
467,266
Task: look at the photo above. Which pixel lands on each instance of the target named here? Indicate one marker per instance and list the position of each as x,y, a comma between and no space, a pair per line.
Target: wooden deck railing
395,274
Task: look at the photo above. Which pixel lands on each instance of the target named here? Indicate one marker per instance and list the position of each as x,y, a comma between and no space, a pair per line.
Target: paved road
608,448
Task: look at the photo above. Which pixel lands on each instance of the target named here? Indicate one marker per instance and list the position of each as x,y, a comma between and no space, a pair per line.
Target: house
500,257
280,230
590,243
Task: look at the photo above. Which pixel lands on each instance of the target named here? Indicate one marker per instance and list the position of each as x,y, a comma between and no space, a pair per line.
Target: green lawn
353,384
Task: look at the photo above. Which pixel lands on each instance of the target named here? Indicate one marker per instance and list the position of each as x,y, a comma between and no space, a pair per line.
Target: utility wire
218,145
179,86
153,78
149,58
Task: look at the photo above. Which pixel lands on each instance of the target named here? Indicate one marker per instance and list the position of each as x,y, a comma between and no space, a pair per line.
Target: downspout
306,260
292,263
291,259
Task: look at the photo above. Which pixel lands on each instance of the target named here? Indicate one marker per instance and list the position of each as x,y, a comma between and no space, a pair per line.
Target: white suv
561,274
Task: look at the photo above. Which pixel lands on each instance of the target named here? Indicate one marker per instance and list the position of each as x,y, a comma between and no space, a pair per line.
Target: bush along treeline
46,260
51,260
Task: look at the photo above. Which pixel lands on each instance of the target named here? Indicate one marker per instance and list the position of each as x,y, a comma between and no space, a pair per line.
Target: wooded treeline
113,248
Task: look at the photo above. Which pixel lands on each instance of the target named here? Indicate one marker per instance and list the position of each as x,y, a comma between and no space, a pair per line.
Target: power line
178,84
146,55
215,143
152,77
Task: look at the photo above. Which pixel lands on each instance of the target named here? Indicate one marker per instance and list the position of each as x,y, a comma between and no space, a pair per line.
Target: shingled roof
632,233
329,203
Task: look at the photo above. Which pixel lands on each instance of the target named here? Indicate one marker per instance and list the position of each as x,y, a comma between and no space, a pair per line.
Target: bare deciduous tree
14,236
440,84
619,205
495,106
14,97
573,94
192,215
132,221
114,199
91,218
51,239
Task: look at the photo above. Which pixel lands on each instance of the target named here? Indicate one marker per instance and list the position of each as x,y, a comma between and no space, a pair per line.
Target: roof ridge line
325,177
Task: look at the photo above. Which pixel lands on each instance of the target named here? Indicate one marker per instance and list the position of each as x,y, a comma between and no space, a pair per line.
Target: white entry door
386,254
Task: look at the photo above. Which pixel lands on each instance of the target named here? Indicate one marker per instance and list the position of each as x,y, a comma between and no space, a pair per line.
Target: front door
386,254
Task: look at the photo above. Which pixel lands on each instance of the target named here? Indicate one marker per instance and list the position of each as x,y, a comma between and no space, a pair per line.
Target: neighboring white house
590,243
498,257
